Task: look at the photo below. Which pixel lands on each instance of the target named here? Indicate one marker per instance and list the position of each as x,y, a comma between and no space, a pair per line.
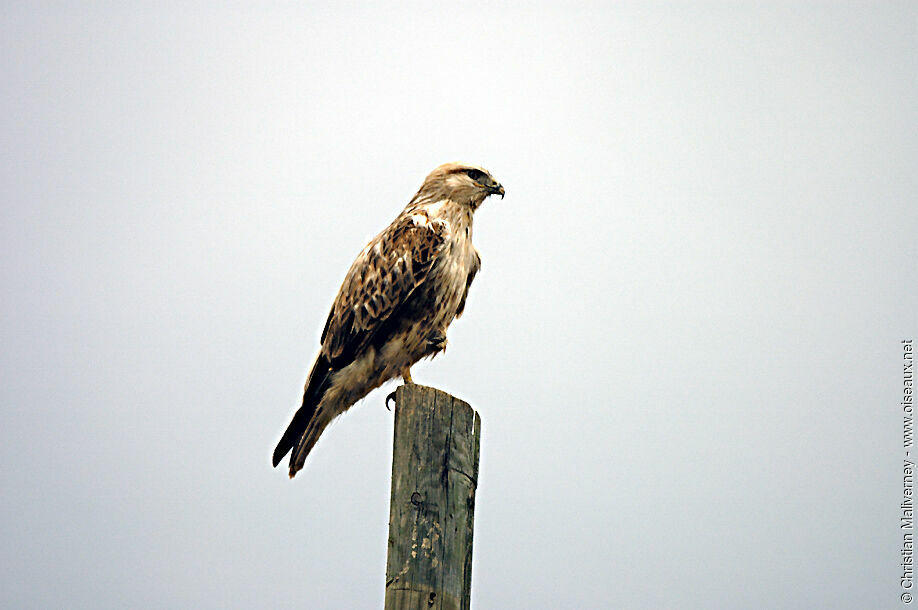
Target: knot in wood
416,499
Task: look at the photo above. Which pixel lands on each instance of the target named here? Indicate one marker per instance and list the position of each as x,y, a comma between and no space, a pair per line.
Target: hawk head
460,182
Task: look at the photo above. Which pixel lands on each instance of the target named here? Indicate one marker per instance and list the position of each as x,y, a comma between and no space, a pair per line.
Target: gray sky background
684,342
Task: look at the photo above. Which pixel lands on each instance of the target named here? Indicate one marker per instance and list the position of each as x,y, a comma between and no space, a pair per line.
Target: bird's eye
475,175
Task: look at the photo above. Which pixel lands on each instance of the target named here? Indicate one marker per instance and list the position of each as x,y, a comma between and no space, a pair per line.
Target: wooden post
432,508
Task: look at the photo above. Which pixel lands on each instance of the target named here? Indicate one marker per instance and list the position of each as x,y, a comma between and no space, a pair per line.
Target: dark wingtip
282,449
315,387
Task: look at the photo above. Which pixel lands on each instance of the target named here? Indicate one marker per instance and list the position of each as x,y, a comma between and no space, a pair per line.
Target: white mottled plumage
396,302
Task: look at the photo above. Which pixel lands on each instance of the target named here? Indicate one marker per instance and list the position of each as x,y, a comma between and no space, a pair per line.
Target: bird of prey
396,302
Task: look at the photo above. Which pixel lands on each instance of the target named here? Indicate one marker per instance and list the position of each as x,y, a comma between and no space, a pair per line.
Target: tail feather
314,429
316,386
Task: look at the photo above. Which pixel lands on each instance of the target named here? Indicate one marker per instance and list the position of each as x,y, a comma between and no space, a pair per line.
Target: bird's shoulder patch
422,219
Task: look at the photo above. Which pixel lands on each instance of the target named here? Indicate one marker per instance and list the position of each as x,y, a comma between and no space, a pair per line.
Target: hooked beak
496,189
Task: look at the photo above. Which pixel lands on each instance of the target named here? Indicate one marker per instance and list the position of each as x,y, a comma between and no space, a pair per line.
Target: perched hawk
396,302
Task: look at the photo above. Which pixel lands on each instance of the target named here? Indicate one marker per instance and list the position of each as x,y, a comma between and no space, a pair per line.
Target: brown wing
388,270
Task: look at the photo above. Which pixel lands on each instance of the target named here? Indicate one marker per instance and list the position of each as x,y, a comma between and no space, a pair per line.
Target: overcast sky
684,342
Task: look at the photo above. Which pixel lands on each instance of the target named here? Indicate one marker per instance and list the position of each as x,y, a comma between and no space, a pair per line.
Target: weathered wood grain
432,507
